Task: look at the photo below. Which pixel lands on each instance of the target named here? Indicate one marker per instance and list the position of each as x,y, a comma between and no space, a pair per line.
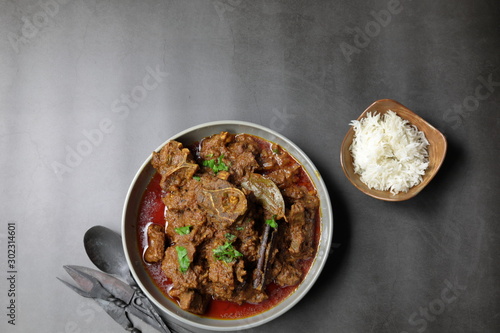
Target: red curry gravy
152,210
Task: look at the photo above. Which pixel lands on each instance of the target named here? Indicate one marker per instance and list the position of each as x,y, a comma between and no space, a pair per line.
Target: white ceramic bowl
134,255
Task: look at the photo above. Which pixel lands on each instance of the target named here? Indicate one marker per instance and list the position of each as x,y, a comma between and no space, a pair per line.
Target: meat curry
240,216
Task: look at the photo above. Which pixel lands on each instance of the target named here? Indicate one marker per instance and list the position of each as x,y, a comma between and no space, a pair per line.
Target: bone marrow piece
156,243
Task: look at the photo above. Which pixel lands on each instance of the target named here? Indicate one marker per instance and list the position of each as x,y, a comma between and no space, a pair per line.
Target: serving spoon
104,249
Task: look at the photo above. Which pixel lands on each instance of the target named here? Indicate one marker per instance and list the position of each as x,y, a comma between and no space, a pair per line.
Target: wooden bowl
437,151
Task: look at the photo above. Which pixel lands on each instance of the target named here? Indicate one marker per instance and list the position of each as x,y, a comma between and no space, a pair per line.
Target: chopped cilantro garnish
239,228
183,230
216,164
230,237
182,257
197,178
226,253
272,222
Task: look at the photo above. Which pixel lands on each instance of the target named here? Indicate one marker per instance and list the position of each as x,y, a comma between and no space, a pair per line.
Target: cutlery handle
151,309
118,314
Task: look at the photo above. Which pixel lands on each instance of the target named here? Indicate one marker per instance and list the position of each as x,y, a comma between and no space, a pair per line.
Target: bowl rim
319,261
402,196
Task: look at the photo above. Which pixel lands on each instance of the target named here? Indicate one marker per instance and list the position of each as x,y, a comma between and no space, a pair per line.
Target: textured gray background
303,68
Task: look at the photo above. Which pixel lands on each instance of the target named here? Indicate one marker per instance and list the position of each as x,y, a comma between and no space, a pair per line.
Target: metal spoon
104,248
